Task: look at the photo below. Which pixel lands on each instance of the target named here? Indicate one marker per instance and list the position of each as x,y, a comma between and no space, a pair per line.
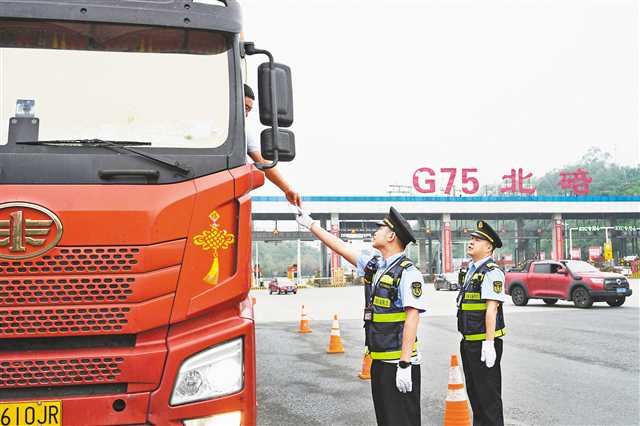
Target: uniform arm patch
497,286
416,289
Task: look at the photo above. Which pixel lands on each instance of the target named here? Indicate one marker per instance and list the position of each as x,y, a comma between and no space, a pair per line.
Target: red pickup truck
568,280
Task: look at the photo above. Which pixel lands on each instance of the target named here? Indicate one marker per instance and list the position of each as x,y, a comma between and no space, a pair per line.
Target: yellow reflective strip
472,296
393,354
474,306
395,317
386,355
386,279
483,336
382,302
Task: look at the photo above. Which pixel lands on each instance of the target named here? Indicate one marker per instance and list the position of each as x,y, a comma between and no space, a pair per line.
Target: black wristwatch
403,364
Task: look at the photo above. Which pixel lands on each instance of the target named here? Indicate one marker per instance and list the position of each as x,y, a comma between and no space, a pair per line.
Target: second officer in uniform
394,300
481,323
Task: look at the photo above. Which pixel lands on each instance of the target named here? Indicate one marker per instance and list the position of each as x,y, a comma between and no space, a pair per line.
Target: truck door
539,276
558,283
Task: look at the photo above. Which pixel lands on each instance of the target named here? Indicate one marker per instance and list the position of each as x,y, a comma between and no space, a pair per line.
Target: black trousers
484,385
394,408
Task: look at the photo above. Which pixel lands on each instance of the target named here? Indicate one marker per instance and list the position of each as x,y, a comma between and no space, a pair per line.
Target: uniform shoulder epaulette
492,266
406,263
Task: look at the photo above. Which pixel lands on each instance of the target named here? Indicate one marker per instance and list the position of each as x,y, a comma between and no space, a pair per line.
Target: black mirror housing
284,95
286,145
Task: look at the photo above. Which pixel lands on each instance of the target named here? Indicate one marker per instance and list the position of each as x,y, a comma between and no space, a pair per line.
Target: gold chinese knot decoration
214,239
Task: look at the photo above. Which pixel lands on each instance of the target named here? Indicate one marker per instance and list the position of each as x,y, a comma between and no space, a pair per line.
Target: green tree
275,257
607,178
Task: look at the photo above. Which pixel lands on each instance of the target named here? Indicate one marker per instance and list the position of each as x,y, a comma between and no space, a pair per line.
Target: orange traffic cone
335,344
365,374
304,322
456,408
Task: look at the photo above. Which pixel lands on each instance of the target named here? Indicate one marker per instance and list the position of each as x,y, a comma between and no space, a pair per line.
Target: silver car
446,281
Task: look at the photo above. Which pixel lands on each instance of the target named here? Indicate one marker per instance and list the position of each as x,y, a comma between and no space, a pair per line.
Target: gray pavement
561,365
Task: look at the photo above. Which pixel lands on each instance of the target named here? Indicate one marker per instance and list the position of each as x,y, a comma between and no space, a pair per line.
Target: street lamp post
299,265
257,266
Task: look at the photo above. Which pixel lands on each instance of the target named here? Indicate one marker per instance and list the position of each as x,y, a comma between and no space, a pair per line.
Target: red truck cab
125,211
572,280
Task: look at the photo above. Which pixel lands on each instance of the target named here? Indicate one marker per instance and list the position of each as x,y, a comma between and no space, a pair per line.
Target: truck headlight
598,281
209,374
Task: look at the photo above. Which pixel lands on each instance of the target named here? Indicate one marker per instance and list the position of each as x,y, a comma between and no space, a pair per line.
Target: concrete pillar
422,249
335,230
429,266
323,252
447,260
517,244
557,238
615,250
422,255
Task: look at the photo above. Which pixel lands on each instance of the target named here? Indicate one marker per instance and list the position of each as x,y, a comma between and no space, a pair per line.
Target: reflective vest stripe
395,317
473,306
382,302
386,279
483,336
393,354
472,296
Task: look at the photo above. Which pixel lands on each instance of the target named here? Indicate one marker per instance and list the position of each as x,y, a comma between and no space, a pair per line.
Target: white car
446,281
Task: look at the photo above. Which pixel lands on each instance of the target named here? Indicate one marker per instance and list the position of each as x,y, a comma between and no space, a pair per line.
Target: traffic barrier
456,408
365,373
335,343
304,322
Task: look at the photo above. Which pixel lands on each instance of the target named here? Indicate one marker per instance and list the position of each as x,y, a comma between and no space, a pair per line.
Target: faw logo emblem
27,230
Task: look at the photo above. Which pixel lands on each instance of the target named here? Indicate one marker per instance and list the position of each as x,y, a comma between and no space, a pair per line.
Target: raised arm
330,240
274,175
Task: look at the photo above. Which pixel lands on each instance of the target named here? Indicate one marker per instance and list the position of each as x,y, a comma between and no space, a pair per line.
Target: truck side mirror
284,94
286,145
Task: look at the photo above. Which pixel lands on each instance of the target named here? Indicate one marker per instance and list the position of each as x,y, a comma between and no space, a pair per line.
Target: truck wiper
115,146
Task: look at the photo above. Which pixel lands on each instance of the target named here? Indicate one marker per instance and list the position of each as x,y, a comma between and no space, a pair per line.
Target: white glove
303,218
403,379
488,353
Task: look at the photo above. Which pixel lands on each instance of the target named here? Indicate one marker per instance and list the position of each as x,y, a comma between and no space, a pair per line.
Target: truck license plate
621,290
39,413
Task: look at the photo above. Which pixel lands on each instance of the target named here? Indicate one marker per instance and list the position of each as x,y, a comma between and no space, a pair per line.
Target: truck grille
120,298
64,290
75,260
613,283
70,320
66,371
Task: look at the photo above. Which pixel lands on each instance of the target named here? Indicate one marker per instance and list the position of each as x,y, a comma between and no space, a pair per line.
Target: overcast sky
382,88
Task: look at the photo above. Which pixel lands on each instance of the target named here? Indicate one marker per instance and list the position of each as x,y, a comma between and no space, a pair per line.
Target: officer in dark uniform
393,302
481,322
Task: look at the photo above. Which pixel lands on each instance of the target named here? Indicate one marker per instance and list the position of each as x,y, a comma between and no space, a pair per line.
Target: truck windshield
167,86
580,266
